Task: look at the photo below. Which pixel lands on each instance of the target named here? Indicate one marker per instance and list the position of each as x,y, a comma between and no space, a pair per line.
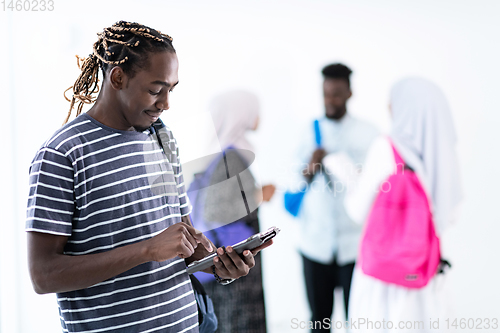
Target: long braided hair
124,44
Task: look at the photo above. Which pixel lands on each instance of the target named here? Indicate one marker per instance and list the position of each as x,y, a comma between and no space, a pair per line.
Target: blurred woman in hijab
424,135
227,210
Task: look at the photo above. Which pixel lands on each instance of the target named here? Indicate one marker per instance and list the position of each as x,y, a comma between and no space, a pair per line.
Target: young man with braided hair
108,216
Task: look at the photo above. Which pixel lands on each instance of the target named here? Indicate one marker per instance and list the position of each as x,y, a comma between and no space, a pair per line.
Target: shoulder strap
317,133
399,160
157,125
242,190
397,157
164,142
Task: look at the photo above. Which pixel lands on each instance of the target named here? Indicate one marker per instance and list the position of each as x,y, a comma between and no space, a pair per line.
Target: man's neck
104,112
339,118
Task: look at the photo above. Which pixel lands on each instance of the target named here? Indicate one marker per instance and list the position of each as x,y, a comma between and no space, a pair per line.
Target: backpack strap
398,159
444,265
163,142
158,125
317,133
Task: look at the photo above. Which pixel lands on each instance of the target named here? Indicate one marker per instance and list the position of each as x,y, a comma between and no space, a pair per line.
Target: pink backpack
400,244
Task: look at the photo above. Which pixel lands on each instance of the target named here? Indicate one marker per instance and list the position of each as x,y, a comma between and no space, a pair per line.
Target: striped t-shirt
105,188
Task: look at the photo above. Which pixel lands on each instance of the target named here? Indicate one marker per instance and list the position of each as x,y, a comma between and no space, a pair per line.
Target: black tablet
249,244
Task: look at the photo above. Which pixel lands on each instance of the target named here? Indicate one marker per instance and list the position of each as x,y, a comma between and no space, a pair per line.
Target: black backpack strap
199,289
443,266
157,125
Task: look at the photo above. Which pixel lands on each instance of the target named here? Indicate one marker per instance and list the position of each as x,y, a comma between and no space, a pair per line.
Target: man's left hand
230,265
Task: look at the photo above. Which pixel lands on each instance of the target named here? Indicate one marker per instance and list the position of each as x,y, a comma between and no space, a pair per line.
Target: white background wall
275,49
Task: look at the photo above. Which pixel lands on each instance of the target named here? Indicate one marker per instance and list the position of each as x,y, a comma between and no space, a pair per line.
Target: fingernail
246,253
220,251
229,249
216,259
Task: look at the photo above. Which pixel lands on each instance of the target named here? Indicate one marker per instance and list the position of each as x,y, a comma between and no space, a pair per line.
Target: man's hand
180,240
200,252
315,164
230,265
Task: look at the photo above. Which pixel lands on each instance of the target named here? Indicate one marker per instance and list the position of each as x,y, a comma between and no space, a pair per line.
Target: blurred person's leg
320,282
344,278
240,306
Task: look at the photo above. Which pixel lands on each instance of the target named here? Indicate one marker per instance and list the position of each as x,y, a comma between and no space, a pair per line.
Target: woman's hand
268,192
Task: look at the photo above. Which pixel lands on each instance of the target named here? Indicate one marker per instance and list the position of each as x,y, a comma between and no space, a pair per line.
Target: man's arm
53,271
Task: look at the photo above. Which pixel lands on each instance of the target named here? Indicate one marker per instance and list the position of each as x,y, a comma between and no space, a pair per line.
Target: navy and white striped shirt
105,188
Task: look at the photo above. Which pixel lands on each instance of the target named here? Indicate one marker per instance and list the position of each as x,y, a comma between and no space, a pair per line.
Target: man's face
147,94
336,92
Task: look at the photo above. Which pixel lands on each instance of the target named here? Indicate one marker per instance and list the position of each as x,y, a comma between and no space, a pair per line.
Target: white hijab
234,113
424,135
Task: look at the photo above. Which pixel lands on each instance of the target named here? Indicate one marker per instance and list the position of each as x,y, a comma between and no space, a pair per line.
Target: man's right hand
318,155
315,163
179,239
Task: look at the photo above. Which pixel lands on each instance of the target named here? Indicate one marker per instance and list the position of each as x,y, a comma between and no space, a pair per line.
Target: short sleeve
51,200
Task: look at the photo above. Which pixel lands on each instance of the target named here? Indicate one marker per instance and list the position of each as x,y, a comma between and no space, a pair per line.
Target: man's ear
117,78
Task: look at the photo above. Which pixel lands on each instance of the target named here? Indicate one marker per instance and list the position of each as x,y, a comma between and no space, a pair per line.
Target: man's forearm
56,272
